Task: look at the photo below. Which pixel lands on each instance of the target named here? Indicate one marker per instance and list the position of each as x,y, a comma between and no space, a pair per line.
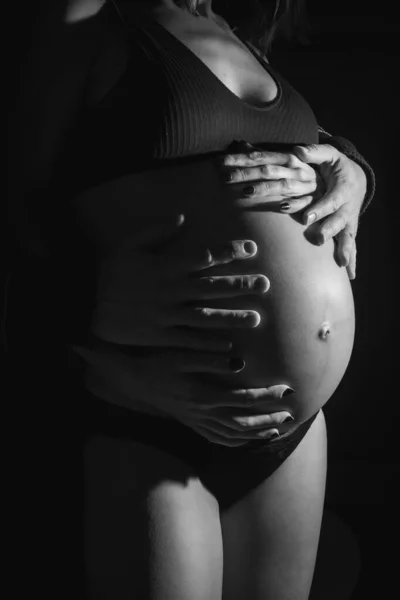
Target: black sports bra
169,107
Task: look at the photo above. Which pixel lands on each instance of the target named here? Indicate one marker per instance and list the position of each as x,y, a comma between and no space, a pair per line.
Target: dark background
349,73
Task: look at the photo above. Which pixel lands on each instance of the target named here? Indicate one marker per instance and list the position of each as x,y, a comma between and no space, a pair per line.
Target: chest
222,53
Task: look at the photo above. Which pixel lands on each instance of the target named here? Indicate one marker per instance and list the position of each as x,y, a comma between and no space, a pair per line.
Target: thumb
155,234
316,154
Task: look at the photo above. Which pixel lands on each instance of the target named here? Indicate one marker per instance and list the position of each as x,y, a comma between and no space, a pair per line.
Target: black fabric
169,108
228,472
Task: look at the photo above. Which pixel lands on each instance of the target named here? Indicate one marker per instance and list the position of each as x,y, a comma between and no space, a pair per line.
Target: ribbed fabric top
169,107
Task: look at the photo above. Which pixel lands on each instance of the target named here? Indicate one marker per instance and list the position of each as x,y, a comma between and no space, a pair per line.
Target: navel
324,331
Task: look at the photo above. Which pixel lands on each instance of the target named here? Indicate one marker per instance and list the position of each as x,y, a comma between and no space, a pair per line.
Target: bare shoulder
76,11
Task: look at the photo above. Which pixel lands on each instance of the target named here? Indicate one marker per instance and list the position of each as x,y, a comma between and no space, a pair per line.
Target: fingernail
311,218
284,205
236,364
269,434
249,190
346,259
249,248
227,176
289,419
288,391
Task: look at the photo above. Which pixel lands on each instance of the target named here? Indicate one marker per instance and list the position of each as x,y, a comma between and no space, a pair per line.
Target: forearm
347,148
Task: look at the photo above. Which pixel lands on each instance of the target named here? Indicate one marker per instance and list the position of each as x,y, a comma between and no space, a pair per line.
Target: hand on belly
305,336
309,293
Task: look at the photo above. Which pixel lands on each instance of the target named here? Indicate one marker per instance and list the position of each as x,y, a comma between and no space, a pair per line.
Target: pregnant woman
172,509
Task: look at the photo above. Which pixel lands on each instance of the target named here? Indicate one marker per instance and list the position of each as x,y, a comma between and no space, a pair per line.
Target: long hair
261,21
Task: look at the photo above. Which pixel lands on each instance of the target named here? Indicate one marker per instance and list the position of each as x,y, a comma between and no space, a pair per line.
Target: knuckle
287,184
342,223
263,189
243,283
249,398
228,160
335,203
267,170
293,161
202,312
244,422
327,231
240,174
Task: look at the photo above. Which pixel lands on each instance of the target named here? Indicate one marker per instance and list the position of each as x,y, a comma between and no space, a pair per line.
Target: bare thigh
271,536
152,531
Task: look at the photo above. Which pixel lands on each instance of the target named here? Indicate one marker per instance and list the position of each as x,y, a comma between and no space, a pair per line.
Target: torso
213,43
308,289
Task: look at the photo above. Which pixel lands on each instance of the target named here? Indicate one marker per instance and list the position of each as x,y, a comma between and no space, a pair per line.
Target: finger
241,174
351,268
213,318
316,153
332,226
245,423
258,157
201,362
345,242
116,328
294,205
155,234
210,257
213,397
221,287
228,433
327,205
286,188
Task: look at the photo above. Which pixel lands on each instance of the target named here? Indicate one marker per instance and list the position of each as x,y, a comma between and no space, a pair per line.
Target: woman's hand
167,382
146,296
334,192
269,177
340,206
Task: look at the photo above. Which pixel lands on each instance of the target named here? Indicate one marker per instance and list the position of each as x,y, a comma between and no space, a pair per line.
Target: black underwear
228,473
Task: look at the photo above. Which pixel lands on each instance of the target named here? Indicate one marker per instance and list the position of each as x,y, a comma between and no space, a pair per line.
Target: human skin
205,240
305,336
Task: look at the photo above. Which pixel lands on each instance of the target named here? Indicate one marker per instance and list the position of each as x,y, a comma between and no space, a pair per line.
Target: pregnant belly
306,333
